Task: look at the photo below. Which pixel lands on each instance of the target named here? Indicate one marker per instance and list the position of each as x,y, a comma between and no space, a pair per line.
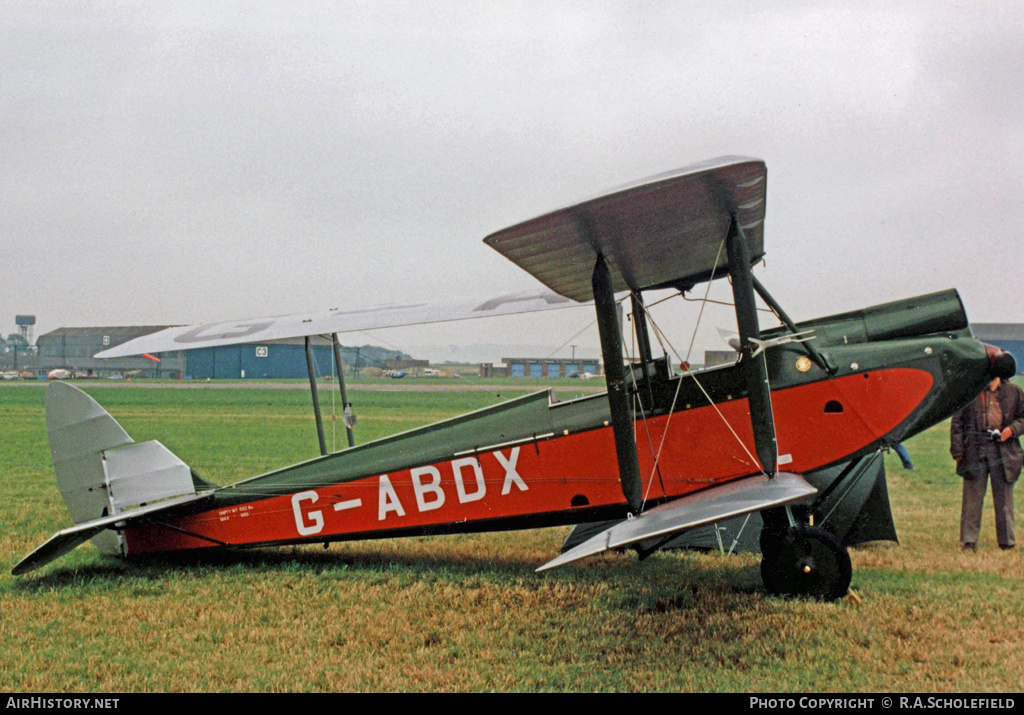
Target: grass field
468,613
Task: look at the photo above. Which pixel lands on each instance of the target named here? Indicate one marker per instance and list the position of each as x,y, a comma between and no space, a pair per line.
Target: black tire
770,540
776,525
807,562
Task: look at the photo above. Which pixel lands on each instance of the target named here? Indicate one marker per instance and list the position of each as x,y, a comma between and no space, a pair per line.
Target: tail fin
80,431
104,477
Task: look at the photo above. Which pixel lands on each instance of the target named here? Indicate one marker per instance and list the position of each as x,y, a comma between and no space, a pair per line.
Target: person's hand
1005,434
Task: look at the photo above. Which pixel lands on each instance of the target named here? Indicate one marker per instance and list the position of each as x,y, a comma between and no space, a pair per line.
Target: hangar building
271,360
551,367
73,349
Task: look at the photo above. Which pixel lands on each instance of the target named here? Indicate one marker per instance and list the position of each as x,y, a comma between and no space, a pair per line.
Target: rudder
100,470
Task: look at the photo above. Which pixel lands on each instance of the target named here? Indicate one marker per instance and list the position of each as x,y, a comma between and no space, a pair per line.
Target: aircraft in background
657,455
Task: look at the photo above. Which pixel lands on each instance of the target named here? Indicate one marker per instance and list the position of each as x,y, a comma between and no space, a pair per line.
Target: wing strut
345,406
755,371
316,398
618,400
818,358
643,340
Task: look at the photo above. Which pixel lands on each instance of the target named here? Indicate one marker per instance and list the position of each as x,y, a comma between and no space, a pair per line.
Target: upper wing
336,320
660,232
665,231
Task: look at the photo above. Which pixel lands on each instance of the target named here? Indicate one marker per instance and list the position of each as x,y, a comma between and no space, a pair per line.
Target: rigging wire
693,375
666,298
374,337
690,373
638,400
576,335
717,302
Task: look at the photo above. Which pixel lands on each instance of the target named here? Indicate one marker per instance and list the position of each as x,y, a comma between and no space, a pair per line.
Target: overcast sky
168,163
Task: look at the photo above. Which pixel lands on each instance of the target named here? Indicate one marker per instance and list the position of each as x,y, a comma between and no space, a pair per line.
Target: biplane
664,450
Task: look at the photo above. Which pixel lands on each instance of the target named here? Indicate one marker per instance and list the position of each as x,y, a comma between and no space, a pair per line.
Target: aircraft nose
1000,363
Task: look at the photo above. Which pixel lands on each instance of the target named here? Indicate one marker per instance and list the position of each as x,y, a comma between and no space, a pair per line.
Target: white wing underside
711,505
664,231
336,320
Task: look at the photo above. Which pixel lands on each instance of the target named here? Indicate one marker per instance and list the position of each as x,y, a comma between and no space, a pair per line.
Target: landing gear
805,561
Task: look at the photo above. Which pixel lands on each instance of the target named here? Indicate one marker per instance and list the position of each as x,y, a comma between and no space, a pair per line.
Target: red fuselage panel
816,424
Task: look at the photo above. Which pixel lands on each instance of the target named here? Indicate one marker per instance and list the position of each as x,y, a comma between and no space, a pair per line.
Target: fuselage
535,461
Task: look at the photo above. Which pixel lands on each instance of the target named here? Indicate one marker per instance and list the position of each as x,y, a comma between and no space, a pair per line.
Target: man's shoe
969,547
1007,547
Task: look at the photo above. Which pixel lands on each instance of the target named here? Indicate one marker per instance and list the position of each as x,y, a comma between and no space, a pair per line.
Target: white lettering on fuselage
511,476
316,518
460,485
467,473
387,500
432,488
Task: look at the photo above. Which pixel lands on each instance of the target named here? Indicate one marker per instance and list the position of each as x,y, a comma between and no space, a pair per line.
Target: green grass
468,613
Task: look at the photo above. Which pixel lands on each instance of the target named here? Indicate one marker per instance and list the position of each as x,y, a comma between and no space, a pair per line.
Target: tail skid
105,478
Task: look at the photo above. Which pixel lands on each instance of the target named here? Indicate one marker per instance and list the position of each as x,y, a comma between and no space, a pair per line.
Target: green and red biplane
661,452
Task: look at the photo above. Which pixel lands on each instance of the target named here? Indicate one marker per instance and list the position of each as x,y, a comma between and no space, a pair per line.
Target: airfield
467,612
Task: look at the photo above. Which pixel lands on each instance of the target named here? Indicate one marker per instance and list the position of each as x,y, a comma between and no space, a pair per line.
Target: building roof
508,360
127,332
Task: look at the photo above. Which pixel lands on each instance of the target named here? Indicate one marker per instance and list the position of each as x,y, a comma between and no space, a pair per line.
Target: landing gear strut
805,561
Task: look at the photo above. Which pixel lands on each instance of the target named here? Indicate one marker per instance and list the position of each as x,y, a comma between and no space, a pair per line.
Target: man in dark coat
983,441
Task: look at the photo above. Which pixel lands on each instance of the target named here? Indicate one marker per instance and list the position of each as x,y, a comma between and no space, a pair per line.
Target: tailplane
104,477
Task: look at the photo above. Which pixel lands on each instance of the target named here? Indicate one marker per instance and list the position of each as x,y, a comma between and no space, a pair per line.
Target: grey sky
191,162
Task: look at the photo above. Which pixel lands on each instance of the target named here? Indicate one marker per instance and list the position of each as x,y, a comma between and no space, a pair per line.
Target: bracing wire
717,302
638,401
663,340
668,422
576,335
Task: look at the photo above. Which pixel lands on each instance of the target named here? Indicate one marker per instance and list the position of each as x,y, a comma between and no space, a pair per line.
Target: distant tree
17,339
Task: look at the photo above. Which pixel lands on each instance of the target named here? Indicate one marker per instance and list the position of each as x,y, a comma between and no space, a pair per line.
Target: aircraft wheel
808,562
769,540
776,526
